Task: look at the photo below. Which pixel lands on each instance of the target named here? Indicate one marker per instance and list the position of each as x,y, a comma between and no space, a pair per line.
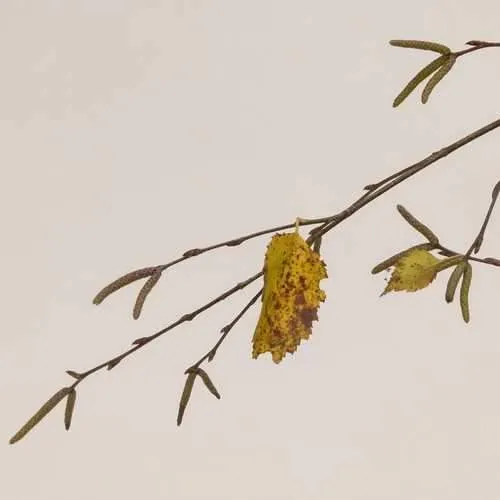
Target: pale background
132,130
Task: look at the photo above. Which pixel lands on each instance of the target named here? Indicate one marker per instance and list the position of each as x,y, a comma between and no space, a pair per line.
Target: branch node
192,253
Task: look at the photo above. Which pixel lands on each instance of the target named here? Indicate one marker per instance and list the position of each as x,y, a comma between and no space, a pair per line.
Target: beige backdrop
132,130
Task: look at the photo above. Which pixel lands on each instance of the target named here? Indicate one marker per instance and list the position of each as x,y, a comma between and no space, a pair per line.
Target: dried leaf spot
291,297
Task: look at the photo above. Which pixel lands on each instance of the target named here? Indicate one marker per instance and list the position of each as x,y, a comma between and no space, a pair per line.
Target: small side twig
209,356
378,188
139,343
478,241
195,370
326,224
194,252
476,45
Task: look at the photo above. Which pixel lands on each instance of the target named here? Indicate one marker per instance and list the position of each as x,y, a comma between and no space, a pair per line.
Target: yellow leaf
413,271
291,296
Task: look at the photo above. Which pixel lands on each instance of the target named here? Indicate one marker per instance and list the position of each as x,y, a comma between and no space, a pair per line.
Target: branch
326,224
437,69
195,370
209,356
477,45
476,244
141,342
378,188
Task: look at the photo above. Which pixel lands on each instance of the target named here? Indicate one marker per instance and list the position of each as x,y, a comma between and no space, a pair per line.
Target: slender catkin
123,281
144,292
453,281
186,394
70,406
422,45
464,292
40,414
437,77
385,264
208,382
419,78
416,224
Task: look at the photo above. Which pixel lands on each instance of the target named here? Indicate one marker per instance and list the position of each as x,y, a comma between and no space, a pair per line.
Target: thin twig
446,252
195,370
476,244
139,343
225,330
328,223
193,252
476,45
381,187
